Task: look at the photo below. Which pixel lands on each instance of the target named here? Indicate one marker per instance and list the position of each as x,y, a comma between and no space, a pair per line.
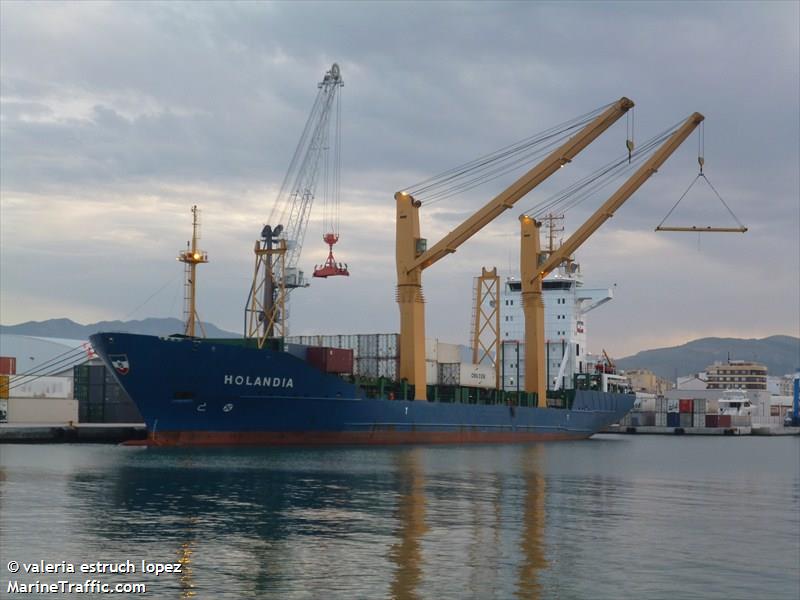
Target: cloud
115,118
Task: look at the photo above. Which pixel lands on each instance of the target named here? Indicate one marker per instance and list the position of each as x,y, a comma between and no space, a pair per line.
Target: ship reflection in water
568,520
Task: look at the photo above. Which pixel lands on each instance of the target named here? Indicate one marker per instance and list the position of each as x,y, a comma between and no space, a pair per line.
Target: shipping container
3,411
686,419
712,420
469,375
431,353
712,406
725,421
449,373
661,404
672,405
8,365
41,410
389,368
635,419
685,405
673,419
368,346
661,419
388,345
699,406
431,372
331,360
741,421
448,353
4,386
100,398
366,367
647,419
22,386
645,402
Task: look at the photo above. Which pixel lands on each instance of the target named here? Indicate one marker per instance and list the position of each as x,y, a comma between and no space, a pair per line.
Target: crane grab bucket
331,268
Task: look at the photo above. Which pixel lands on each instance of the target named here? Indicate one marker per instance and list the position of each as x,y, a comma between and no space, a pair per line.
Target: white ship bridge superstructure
566,303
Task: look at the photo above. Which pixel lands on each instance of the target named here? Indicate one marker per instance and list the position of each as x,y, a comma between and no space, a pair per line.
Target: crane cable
52,366
496,164
576,193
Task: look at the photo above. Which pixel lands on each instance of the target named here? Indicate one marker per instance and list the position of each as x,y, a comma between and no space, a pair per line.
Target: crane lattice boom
278,251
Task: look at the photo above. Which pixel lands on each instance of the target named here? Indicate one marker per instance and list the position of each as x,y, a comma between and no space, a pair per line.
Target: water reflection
533,523
187,575
406,553
565,520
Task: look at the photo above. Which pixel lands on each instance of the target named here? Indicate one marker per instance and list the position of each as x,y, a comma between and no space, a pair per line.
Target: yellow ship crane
412,255
536,265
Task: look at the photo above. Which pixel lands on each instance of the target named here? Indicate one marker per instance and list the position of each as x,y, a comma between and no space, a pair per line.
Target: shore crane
412,255
277,253
535,264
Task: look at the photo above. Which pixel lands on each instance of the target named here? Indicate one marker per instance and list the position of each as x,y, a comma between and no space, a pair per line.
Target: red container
712,420
685,405
8,365
724,420
331,360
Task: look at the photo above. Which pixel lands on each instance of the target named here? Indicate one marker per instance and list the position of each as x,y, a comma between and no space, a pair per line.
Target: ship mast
192,257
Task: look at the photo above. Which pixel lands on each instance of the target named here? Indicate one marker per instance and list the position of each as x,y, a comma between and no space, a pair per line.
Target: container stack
686,409
377,355
673,413
100,398
699,412
661,412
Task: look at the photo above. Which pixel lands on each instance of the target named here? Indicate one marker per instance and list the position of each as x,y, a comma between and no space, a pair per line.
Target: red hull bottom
349,438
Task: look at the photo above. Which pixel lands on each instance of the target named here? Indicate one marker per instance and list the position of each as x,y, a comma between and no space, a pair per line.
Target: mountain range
65,328
781,353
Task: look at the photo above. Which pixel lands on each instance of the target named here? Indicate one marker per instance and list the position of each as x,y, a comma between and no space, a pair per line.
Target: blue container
673,419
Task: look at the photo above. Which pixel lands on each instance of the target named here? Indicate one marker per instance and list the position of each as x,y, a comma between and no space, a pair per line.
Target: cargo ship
193,391
266,388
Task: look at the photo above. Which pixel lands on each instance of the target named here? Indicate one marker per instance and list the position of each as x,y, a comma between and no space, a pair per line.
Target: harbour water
612,517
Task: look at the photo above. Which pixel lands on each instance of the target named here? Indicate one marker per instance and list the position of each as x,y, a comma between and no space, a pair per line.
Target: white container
366,367
712,406
388,345
699,406
431,372
644,402
368,345
42,410
482,376
20,386
431,346
388,368
448,353
661,419
449,373
673,405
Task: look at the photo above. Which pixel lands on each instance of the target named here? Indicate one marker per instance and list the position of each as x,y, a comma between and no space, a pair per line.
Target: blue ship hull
203,392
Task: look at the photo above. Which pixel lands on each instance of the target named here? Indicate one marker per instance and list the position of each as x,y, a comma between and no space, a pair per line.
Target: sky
115,118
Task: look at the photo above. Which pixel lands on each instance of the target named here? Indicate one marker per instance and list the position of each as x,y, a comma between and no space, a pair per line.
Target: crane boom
412,258
508,197
535,265
278,251
606,211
